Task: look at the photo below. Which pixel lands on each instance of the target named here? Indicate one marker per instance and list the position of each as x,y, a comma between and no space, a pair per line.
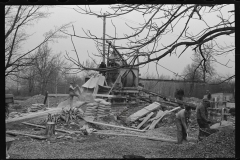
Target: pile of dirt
34,99
218,145
193,100
53,101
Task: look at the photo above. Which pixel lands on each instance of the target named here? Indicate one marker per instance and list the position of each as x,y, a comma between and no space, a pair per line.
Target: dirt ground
93,146
104,146
107,146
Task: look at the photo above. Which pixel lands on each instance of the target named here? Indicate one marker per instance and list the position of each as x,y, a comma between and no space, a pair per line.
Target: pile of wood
66,116
99,108
36,107
149,117
14,114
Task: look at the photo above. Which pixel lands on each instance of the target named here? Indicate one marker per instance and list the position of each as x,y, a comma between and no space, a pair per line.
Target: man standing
202,116
209,96
179,94
182,118
102,66
72,93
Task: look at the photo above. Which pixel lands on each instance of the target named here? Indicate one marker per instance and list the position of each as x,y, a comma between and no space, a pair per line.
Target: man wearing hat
202,115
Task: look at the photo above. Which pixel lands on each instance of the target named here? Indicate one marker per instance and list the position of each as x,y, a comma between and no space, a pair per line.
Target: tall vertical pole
104,28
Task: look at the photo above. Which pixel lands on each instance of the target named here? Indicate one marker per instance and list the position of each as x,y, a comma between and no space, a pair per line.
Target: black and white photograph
120,81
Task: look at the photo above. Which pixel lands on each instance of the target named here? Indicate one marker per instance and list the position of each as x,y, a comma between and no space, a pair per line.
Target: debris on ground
81,135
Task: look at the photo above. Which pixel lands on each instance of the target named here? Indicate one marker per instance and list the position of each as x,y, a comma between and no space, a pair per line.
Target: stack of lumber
13,114
150,116
36,107
143,112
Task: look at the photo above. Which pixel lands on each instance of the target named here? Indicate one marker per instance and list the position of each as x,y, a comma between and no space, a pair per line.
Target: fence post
46,97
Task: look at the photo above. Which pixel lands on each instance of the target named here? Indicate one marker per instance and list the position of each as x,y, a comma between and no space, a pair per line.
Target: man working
72,93
182,118
202,116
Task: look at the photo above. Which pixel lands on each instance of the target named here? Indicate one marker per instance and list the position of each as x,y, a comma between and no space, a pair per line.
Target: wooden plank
154,123
110,125
159,114
143,112
104,95
145,120
58,95
9,139
230,105
114,83
156,119
146,137
34,116
141,119
35,125
29,135
147,127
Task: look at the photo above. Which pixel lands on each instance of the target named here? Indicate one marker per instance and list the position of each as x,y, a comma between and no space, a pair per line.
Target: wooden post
9,141
48,102
46,97
50,129
104,30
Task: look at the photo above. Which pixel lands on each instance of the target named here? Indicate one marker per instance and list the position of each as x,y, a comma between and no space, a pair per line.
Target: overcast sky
65,14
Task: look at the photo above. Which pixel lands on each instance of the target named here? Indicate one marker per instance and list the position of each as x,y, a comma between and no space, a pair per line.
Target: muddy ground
107,146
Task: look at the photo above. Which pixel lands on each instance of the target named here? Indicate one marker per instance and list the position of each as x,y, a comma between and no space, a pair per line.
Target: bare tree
16,19
204,62
191,73
46,66
147,39
202,67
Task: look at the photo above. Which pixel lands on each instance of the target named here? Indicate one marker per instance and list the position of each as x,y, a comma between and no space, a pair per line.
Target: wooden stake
50,129
48,102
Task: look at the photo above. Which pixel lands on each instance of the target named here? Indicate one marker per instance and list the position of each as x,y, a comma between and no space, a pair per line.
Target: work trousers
202,124
181,132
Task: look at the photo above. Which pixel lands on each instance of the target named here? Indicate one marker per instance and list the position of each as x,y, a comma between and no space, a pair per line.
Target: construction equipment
121,79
